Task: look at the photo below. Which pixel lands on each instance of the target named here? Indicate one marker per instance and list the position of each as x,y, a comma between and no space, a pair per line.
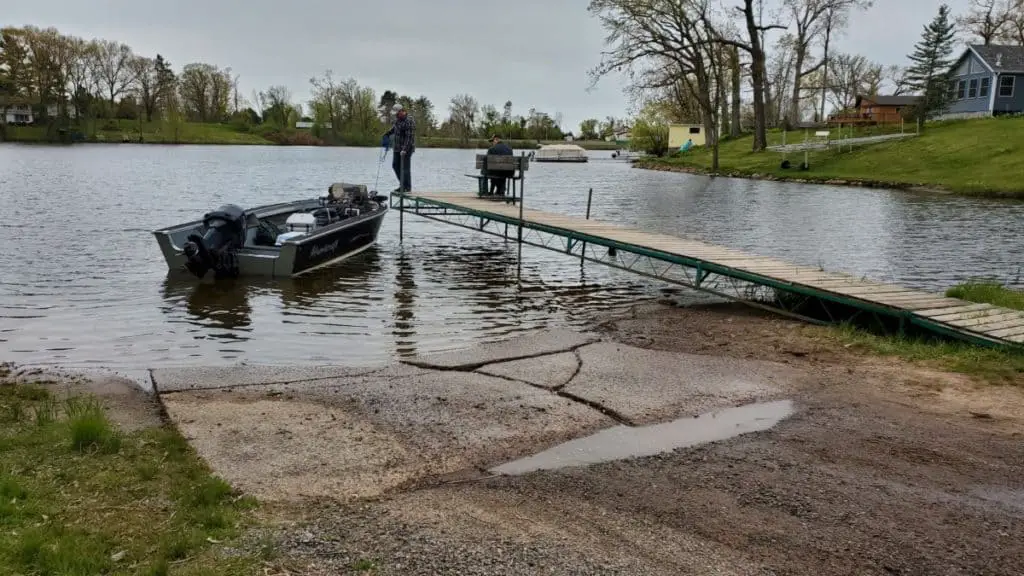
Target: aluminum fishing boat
279,240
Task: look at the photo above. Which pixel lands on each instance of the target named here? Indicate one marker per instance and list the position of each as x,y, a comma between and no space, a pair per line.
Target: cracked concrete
284,433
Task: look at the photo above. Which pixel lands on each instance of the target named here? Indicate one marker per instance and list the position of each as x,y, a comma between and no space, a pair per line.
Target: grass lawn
973,157
989,365
78,496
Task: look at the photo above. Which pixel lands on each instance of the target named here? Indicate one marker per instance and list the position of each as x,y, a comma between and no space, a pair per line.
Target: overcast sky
535,53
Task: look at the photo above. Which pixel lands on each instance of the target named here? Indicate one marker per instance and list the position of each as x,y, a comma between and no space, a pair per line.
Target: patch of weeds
89,426
45,411
987,364
364,565
988,292
13,411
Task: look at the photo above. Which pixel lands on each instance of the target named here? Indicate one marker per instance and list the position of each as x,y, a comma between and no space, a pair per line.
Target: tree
166,82
276,106
205,91
144,70
113,67
813,19
463,111
755,47
650,130
387,102
988,20
931,60
736,78
588,129
1013,32
663,43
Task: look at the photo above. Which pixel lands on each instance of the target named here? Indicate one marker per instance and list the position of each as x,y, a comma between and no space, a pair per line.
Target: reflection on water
85,285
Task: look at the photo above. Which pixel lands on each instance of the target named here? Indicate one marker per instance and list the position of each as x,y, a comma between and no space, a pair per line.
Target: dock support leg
401,218
701,275
522,189
583,251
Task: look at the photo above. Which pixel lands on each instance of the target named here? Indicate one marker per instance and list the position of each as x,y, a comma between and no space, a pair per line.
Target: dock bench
511,168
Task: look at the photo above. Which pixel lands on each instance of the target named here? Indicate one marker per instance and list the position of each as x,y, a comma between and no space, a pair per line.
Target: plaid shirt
404,131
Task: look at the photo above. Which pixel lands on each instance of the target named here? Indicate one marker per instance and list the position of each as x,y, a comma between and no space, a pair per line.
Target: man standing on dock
404,139
499,148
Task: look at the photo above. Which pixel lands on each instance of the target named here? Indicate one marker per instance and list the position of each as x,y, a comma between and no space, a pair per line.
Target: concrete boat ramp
543,400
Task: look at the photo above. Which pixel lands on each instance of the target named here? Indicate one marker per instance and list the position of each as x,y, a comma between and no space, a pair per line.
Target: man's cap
397,108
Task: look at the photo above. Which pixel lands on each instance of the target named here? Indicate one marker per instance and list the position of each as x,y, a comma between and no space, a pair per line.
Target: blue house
985,81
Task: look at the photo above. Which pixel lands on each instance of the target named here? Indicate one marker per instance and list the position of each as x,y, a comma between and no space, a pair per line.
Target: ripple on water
85,285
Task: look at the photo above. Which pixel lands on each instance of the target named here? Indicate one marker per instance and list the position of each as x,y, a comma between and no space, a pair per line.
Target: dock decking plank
993,322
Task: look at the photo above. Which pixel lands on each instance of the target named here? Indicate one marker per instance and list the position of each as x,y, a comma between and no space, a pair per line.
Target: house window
1006,86
951,93
961,87
694,129
972,92
985,86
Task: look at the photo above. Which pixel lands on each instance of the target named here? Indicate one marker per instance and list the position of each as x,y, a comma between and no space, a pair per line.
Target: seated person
498,177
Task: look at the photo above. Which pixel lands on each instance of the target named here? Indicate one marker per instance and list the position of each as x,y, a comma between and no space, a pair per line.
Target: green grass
988,292
973,157
80,497
986,364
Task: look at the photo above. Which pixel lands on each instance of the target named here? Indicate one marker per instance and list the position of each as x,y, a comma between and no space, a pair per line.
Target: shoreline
225,136
935,189
398,469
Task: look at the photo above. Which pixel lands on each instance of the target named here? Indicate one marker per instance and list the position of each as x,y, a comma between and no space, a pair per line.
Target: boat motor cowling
215,249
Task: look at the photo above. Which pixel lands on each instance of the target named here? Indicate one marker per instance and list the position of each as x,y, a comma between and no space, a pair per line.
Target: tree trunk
824,71
734,126
722,111
794,104
757,77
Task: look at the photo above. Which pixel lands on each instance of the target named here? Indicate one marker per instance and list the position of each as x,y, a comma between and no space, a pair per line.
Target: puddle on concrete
623,442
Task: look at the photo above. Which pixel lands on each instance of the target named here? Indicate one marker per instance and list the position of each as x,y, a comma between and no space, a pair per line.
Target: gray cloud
533,52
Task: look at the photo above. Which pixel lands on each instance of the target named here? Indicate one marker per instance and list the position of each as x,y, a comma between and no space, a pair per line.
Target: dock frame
761,282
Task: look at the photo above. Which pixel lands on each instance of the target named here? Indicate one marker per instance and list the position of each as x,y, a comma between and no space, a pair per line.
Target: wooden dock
695,263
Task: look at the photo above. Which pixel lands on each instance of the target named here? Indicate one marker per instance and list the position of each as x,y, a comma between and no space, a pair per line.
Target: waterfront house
18,114
984,82
876,109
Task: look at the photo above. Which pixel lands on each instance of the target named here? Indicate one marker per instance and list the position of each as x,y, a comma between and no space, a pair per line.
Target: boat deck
978,323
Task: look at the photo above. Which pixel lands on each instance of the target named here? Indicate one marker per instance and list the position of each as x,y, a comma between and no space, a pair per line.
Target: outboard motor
215,249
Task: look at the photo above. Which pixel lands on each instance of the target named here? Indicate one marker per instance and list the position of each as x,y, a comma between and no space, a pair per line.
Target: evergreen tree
928,74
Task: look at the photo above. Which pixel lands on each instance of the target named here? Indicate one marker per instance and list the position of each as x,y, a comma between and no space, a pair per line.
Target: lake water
83,284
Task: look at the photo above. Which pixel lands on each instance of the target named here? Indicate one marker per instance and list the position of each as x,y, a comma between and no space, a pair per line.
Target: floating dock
756,280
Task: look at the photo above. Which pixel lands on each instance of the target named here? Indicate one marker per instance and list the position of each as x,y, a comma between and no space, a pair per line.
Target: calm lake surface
83,284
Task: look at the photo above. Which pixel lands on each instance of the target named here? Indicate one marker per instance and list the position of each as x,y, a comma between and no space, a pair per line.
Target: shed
678,134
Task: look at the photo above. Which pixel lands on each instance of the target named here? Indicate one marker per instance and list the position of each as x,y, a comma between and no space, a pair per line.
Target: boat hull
325,246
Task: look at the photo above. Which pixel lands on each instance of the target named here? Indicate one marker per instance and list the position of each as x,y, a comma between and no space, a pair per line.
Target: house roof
1008,58
883,100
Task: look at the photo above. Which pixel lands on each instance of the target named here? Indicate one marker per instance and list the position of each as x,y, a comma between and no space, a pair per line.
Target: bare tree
736,77
113,67
144,70
664,44
463,110
987,19
1013,32
814,20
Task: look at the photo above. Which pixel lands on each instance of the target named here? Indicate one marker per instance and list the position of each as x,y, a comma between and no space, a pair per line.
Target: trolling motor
215,249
